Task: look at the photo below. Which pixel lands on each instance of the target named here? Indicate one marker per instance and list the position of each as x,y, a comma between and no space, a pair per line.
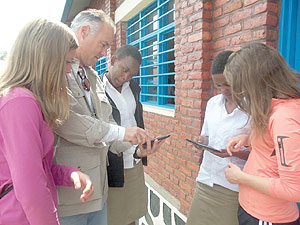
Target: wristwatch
135,153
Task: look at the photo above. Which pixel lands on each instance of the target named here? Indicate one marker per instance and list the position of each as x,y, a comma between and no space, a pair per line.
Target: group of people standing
55,110
255,120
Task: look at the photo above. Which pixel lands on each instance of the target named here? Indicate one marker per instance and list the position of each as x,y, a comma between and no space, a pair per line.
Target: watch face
135,153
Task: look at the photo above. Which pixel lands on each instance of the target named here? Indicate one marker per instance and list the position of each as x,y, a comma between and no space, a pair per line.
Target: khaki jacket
78,143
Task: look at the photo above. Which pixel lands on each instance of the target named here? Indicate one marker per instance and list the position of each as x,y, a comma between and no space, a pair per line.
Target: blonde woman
263,86
33,101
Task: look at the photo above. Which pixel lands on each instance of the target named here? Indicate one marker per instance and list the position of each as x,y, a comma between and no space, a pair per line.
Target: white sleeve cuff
115,133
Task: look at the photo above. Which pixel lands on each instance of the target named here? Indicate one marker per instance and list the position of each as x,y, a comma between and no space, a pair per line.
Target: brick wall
203,28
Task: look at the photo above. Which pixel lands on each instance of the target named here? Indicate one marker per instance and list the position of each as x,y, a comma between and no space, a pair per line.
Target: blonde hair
257,73
37,62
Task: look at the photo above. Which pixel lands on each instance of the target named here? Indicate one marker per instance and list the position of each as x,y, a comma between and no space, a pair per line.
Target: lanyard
7,188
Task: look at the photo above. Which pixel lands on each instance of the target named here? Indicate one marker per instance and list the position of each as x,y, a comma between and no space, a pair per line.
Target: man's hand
145,150
136,135
83,182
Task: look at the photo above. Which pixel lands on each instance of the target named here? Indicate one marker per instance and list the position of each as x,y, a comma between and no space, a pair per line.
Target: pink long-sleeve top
277,156
26,153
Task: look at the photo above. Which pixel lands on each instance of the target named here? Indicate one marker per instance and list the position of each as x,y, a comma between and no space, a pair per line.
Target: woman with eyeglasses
263,86
33,101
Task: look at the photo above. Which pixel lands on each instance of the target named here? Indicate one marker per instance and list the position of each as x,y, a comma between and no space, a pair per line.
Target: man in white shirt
127,194
216,200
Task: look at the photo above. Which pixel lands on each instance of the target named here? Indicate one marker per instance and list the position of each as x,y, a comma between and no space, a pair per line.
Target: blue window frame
289,36
101,65
152,32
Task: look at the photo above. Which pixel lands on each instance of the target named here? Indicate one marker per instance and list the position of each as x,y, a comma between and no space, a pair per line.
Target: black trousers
247,219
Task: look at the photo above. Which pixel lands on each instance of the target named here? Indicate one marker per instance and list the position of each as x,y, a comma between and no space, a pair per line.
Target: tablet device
206,147
158,138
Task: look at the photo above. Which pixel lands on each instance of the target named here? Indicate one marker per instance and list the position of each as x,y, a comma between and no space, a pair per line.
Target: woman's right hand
237,143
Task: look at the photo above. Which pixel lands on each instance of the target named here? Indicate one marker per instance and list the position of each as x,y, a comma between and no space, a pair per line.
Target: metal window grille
289,37
101,65
152,32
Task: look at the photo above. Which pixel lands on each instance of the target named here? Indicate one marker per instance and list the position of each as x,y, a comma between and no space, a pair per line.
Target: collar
109,85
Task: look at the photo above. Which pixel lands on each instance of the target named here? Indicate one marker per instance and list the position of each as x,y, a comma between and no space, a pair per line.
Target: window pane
156,44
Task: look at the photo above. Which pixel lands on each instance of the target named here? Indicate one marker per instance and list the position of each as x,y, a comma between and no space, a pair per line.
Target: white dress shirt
126,105
115,133
220,126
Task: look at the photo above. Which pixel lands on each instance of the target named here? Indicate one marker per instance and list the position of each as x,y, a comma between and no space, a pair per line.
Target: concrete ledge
129,8
159,110
170,198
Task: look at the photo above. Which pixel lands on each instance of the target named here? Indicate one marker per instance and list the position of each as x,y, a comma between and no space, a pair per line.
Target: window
289,37
101,65
152,32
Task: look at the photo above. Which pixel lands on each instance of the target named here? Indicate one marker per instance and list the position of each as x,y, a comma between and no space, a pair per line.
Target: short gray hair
91,18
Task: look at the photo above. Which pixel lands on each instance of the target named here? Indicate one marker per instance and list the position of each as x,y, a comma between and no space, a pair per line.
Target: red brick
223,43
183,154
195,75
194,57
194,112
187,121
169,169
184,4
180,161
198,6
260,20
266,6
185,171
184,22
218,34
187,67
187,49
203,45
233,29
201,103
188,30
183,40
165,173
244,37
241,15
218,12
194,93
272,20
273,44
188,103
265,34
185,187
174,179
202,65
233,6
221,22
195,17
207,14
192,166
199,36
203,25
187,11
249,2
208,5
220,2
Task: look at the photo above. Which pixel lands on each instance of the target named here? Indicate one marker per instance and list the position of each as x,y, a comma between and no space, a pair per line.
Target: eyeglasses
84,80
